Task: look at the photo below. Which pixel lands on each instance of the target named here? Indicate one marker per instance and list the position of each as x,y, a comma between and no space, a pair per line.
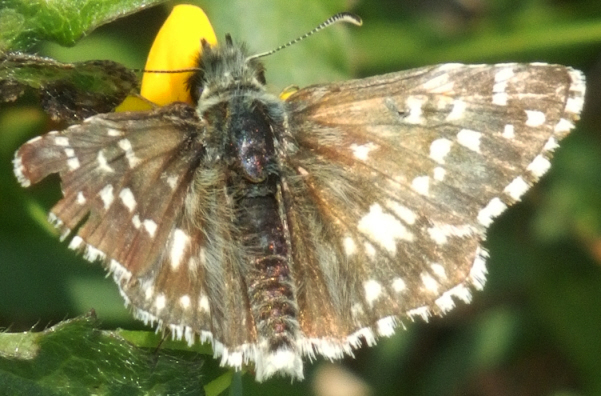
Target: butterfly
286,229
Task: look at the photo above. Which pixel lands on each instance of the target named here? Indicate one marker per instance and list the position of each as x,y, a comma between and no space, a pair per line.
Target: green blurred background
534,330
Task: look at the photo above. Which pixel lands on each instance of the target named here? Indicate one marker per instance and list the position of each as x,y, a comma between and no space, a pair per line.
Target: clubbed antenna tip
345,17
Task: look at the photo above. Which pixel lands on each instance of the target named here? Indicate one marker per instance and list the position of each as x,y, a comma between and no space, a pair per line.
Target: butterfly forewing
403,173
125,178
139,198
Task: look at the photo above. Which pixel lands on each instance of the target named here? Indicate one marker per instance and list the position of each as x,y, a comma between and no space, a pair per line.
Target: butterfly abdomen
254,184
267,271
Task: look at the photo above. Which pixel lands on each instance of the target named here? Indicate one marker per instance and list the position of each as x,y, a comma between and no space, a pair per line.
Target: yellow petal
288,91
134,103
176,46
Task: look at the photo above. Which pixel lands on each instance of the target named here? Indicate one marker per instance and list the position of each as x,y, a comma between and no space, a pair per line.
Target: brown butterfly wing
392,180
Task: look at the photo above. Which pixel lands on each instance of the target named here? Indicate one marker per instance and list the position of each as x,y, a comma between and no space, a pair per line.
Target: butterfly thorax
231,98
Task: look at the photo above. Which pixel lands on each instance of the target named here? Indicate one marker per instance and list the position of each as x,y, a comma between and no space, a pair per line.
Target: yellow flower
176,46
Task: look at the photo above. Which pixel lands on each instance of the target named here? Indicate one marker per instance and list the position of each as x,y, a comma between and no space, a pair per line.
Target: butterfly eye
261,76
195,85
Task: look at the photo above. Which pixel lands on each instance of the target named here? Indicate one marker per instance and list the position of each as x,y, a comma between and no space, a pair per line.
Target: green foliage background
534,330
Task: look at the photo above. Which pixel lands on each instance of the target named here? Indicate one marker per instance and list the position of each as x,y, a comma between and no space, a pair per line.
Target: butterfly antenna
345,17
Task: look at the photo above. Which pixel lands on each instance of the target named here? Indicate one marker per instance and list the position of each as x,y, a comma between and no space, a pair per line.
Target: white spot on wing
366,333
120,273
373,291
73,163
129,152
81,199
469,139
501,77
103,163
150,226
185,302
429,282
172,181
106,195
578,85
69,152
383,228
574,105
127,197
136,221
92,254
414,105
421,184
461,292
440,233
500,86
361,152
516,188
423,312
439,149
349,246
451,66
457,111
113,132
551,144
75,243
160,302
535,118
203,303
193,265
148,290
61,141
563,126
357,310
439,173
18,170
445,302
179,243
438,270
439,84
202,255
55,221
508,132
398,285
385,326
539,166
403,212
499,98
494,208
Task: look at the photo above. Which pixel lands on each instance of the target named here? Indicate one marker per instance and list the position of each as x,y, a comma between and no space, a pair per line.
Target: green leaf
76,358
24,23
418,42
70,92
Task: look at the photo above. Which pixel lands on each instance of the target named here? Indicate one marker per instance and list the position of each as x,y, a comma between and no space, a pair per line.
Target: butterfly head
225,68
